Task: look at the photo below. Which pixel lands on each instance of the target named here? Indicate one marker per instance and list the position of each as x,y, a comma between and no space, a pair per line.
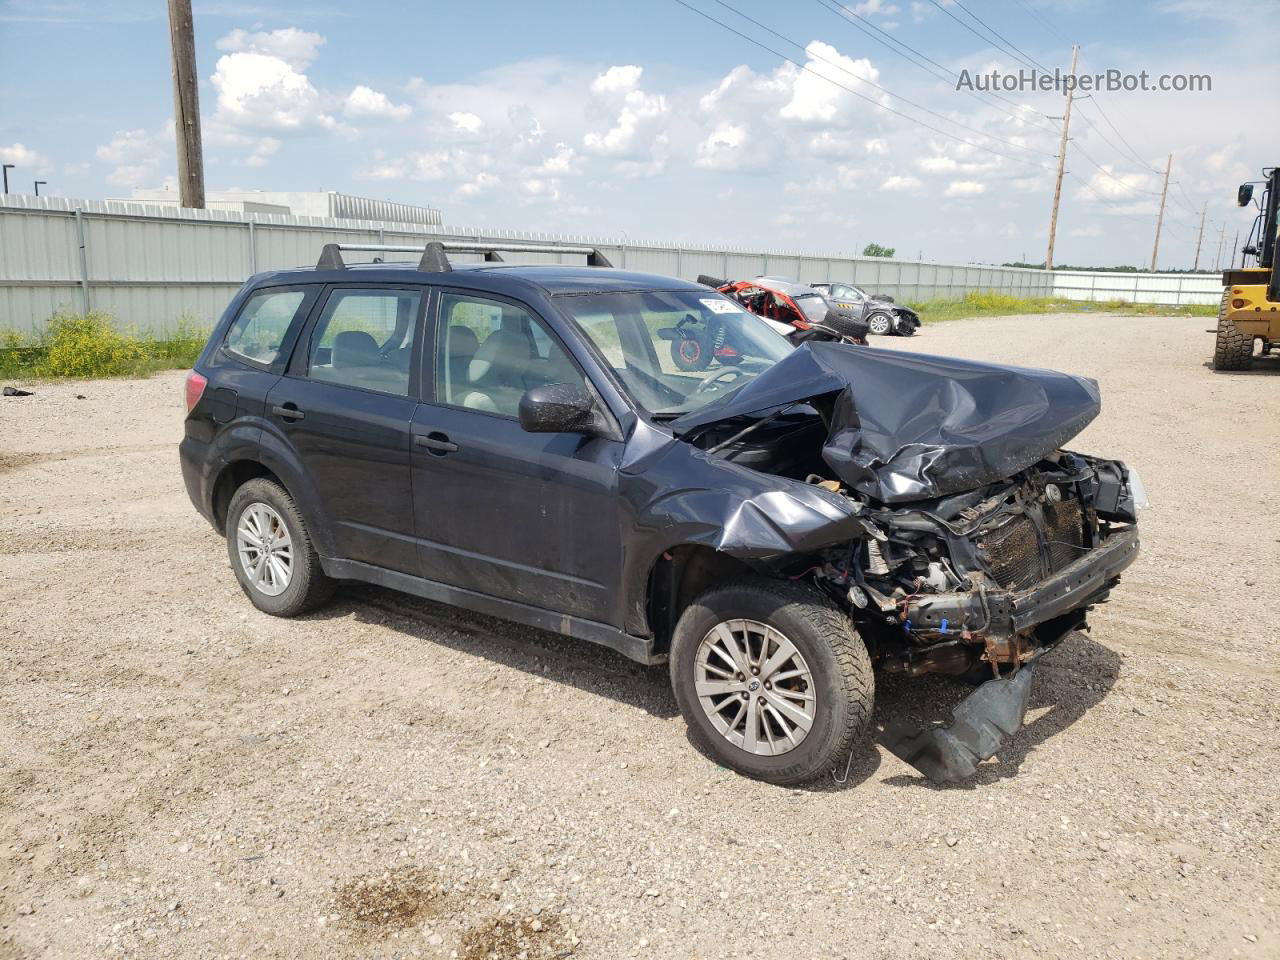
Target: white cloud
466,122
618,79
262,150
481,183
261,92
639,111
964,188
295,47
135,156
21,156
366,102
817,93
901,184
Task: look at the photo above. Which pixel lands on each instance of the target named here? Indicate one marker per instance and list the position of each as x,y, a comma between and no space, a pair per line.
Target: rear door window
364,338
259,331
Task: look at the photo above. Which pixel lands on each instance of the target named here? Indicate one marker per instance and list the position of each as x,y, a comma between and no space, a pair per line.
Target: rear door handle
438,443
288,412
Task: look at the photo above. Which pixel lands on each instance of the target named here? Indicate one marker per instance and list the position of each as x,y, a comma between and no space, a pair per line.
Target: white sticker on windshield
721,306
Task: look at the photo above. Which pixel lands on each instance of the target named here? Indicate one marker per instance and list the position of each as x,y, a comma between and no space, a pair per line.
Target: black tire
308,586
691,352
1232,350
838,663
880,324
714,282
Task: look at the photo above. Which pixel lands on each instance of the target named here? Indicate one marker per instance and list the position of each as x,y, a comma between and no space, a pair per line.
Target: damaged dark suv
517,440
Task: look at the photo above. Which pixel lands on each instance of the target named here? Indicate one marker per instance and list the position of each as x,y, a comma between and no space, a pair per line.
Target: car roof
551,279
783,285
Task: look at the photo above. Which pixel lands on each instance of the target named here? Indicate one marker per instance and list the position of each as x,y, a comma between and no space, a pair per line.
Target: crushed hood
911,426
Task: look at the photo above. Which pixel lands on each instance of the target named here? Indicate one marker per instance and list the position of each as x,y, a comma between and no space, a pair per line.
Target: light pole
7,168
40,183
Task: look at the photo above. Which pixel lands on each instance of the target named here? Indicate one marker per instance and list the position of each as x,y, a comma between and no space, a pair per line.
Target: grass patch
991,304
91,345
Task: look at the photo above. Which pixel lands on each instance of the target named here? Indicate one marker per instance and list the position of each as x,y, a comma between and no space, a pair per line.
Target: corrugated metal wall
150,265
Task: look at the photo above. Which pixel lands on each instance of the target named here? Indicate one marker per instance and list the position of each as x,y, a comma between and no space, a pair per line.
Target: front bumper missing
984,720
980,725
1004,613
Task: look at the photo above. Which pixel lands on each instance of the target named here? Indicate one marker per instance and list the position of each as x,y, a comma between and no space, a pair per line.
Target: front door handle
287,412
436,442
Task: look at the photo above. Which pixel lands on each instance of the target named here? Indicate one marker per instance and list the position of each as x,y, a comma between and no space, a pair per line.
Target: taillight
195,389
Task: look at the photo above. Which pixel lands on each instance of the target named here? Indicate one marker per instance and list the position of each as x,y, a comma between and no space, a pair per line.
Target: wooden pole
1155,250
186,105
1200,237
1062,161
1217,261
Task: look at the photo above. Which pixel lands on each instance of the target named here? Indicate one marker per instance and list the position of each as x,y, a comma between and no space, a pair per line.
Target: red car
800,313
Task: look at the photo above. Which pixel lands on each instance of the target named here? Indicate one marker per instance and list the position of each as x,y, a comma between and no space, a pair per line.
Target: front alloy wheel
880,324
772,679
755,687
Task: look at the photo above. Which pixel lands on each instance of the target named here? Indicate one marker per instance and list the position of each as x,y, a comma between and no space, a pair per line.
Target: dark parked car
883,316
516,440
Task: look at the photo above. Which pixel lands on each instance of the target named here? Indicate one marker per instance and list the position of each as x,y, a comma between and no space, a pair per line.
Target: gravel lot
182,776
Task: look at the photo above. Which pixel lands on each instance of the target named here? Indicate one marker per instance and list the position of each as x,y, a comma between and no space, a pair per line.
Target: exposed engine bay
972,542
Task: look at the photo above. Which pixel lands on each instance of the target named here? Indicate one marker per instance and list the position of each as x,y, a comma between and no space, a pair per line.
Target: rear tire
832,664
691,353
1232,349
262,508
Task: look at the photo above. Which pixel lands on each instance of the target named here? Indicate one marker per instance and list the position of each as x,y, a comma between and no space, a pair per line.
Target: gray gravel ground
181,776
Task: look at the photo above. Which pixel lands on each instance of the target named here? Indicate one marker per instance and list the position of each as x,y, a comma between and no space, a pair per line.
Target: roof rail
435,260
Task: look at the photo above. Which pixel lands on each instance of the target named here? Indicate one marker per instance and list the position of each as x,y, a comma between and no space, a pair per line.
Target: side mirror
1244,194
561,408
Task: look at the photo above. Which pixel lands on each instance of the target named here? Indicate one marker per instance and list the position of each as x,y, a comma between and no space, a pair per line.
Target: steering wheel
722,379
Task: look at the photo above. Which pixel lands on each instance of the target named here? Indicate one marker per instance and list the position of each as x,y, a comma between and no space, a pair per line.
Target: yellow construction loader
1251,295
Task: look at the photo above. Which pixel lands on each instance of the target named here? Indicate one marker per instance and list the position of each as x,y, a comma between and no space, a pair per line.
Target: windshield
814,306
676,351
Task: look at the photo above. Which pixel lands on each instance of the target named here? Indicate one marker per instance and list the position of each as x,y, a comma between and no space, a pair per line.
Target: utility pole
1217,261
1200,237
1235,245
1062,160
186,105
1160,217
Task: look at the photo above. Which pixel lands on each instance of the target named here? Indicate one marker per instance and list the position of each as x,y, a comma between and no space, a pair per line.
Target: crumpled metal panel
910,426
745,514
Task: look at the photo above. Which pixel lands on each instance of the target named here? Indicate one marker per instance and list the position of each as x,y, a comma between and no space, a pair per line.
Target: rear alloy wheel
880,324
271,553
772,680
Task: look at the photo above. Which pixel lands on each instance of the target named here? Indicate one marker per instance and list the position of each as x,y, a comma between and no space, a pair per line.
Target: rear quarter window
259,330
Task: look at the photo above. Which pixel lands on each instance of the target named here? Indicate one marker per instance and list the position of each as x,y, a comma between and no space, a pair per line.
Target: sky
651,121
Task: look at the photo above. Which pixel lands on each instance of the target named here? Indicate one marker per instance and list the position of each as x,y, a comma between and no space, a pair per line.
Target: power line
872,83
985,40
1044,23
1132,152
860,96
947,75
992,30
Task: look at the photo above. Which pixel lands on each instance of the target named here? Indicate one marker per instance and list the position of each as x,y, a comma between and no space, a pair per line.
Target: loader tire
1232,349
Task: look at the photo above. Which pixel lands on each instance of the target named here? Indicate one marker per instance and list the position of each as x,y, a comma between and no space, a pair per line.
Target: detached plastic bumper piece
981,723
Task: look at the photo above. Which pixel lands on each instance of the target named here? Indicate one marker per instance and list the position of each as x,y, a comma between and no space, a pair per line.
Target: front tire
1232,350
271,552
880,324
772,680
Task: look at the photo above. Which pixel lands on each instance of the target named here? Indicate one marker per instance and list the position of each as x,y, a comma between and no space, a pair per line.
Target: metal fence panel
150,265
